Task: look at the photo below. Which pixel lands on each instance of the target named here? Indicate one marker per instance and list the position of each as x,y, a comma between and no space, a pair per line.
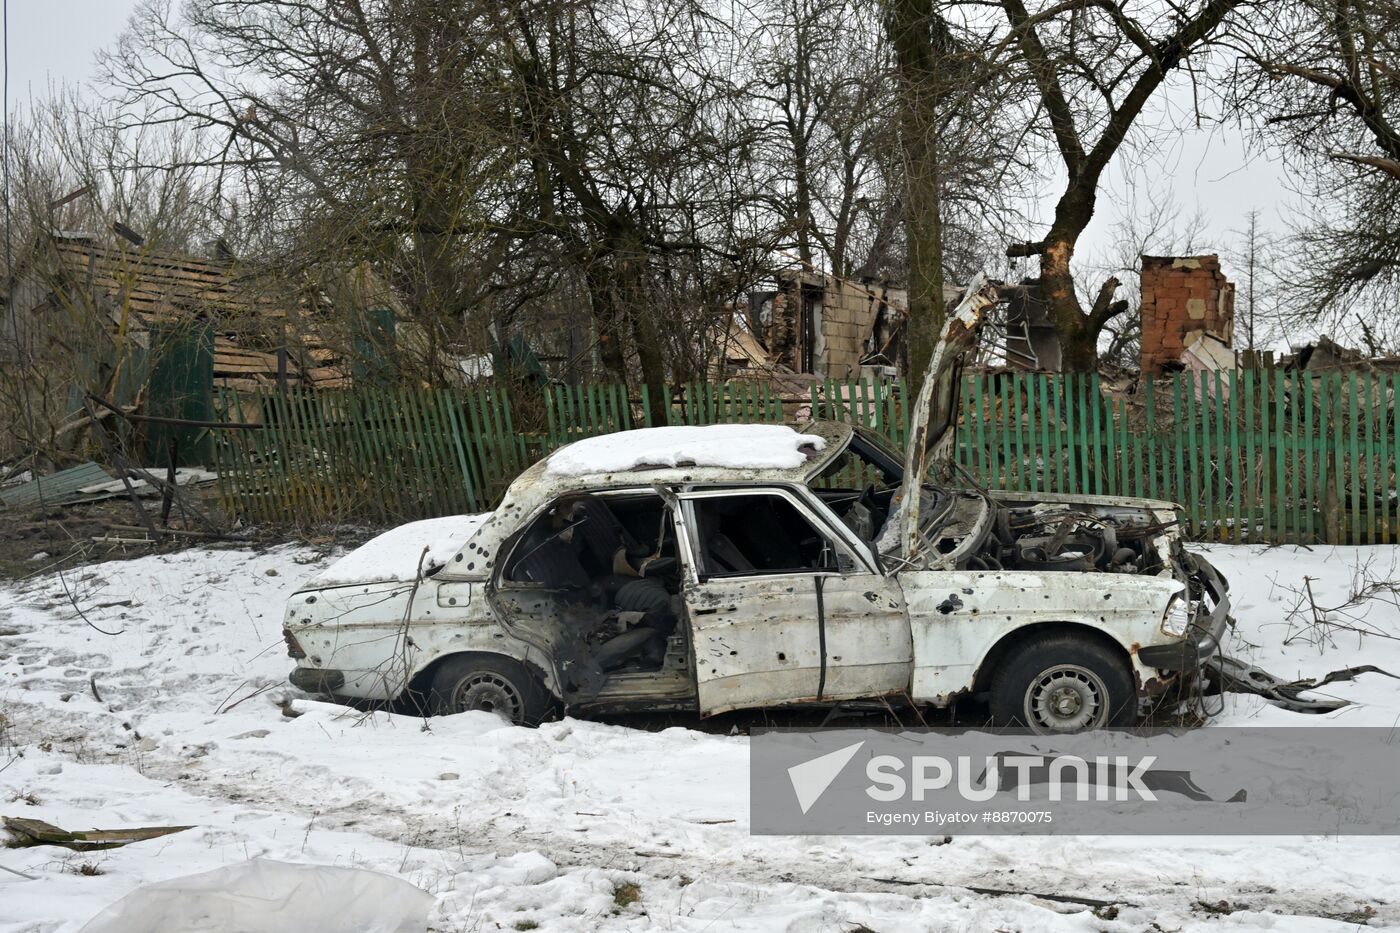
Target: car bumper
317,679
1202,639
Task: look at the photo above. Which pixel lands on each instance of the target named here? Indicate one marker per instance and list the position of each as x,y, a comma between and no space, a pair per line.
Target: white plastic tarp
270,897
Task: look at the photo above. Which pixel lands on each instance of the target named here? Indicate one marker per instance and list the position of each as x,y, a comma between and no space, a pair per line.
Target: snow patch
735,446
393,556
184,718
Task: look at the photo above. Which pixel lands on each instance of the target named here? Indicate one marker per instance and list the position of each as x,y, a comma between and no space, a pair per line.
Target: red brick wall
1180,296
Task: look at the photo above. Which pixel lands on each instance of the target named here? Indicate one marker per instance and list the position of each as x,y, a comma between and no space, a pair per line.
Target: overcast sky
53,42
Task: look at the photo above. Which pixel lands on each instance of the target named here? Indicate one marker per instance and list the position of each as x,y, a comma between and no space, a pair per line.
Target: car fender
957,617
382,636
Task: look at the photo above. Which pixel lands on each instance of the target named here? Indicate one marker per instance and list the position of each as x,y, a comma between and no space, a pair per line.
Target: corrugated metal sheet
56,488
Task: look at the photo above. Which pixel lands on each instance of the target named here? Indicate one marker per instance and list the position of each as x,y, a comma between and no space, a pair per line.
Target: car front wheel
1062,683
491,684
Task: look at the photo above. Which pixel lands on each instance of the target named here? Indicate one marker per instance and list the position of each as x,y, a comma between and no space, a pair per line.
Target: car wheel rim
490,693
1066,698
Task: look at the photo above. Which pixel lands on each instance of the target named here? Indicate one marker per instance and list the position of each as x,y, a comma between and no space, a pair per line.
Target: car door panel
755,644
775,638
868,645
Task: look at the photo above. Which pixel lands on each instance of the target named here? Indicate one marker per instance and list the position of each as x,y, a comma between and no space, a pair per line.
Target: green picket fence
1252,456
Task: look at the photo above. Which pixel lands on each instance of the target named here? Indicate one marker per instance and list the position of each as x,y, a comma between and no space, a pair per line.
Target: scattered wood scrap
25,833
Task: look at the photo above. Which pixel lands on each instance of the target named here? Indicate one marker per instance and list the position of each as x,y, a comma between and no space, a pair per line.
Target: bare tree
1094,66
351,130
1320,77
922,43
1258,306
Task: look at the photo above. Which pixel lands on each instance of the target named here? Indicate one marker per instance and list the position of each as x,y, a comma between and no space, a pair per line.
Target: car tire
1063,683
490,683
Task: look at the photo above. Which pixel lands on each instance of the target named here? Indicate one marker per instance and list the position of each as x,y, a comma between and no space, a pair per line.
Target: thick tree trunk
1079,333
646,336
602,299
913,27
1078,347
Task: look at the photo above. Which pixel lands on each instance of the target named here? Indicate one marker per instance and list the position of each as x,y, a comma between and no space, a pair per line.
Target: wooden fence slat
1352,474
1212,475
1381,458
1234,420
1392,475
1368,461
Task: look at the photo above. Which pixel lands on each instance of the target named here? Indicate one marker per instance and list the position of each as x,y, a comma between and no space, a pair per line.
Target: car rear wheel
491,684
1056,684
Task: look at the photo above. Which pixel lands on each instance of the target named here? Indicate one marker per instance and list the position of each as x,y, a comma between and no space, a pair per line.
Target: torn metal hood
932,421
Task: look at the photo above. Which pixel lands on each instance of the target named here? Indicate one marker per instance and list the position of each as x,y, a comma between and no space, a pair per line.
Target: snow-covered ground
579,825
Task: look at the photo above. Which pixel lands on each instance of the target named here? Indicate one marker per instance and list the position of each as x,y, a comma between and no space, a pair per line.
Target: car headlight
1177,619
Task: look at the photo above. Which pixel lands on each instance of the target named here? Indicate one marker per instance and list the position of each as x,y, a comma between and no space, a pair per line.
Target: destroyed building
1188,314
821,325
120,300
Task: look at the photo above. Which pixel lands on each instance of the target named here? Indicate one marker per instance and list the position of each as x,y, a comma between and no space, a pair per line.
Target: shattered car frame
845,577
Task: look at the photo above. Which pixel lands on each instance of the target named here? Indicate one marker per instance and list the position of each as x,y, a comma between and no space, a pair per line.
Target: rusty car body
706,581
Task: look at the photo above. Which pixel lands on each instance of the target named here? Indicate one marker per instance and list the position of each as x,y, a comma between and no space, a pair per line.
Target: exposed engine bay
1000,531
970,531
1056,537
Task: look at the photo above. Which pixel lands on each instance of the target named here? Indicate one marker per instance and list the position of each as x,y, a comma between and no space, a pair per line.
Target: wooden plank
451,497
1353,475
1279,478
370,444
1339,528
1221,458
1155,486
1004,425
1308,458
1136,441
1290,514
1369,458
1020,480
1236,457
287,500
1096,414
302,460
397,454
984,459
1382,406
1200,459
1250,490
1393,474
1179,432
1077,456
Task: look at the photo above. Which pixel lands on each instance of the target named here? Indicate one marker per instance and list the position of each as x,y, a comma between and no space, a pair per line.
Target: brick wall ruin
1183,298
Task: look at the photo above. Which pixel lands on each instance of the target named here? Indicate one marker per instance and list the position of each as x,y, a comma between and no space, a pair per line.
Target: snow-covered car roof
695,454
731,446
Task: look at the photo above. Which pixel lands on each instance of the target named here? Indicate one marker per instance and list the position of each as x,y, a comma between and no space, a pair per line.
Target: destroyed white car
748,566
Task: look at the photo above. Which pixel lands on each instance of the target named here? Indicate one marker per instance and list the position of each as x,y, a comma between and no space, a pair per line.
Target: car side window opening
617,557
858,485
763,533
